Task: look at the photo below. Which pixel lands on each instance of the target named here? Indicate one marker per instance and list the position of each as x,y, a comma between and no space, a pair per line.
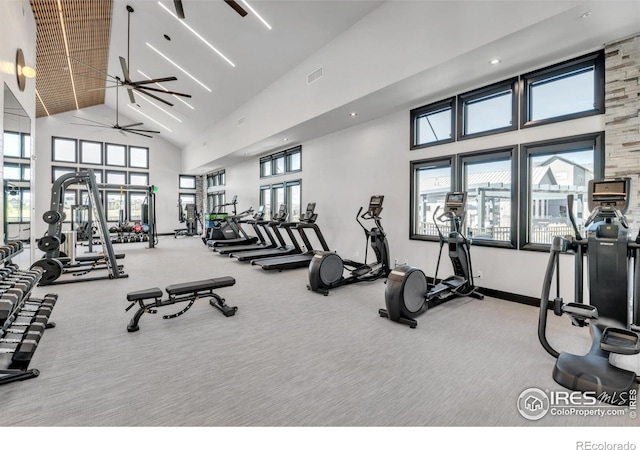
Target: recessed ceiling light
285,139
585,15
184,71
196,34
353,114
495,61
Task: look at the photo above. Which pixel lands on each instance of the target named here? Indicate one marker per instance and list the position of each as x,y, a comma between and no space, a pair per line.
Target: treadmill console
455,203
309,215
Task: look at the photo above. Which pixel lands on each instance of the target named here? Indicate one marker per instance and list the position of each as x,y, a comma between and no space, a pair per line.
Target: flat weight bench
182,292
180,232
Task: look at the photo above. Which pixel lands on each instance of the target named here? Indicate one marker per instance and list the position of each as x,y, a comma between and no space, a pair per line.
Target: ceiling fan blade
89,120
236,7
155,80
121,131
125,71
162,91
132,99
90,125
132,125
143,131
179,8
141,134
154,97
91,67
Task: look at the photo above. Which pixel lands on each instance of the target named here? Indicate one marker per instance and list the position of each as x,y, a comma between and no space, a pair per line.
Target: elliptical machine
408,293
326,269
613,318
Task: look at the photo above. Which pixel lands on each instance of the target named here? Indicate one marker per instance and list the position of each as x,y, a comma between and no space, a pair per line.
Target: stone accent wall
622,117
200,194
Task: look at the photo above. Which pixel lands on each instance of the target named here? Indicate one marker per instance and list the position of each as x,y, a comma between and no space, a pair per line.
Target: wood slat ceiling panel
88,28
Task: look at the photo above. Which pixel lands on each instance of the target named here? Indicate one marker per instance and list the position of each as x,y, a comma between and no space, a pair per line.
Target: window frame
432,108
595,59
66,170
115,172
105,202
137,174
137,147
53,150
551,147
490,155
271,160
106,154
486,91
81,154
437,162
187,177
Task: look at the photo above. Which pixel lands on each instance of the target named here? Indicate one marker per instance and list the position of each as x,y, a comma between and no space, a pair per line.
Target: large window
12,145
116,155
552,171
432,124
187,182
488,110
216,179
215,200
288,161
64,150
564,91
289,194
90,152
430,181
115,204
489,178
18,204
568,90
136,200
139,157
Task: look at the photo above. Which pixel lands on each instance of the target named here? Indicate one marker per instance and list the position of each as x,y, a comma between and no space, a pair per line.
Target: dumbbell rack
23,318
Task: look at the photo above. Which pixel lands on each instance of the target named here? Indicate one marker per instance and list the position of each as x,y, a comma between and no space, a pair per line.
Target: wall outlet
480,274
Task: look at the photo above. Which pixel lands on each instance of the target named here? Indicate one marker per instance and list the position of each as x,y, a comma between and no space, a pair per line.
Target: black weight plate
51,217
63,238
52,270
49,243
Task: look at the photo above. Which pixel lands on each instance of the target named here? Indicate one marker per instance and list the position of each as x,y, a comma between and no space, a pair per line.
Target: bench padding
144,294
198,286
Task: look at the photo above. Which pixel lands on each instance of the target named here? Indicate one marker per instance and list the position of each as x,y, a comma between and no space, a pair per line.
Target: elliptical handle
572,217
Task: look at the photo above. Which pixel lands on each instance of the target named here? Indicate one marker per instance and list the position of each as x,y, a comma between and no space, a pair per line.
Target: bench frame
150,300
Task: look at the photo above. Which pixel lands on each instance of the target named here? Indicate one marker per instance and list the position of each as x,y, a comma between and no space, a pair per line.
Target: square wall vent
314,76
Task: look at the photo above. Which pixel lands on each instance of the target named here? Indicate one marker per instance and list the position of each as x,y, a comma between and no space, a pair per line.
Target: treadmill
303,259
235,223
257,222
283,249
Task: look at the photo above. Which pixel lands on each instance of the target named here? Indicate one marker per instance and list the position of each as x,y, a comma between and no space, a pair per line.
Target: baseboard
509,296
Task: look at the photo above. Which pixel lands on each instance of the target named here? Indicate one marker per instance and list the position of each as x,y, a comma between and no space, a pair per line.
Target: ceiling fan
233,4
130,128
141,86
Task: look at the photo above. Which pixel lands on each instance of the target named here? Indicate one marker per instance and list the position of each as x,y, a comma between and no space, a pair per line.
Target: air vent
314,76
240,121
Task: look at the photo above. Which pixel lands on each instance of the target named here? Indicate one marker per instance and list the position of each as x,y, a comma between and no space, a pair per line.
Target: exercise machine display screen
455,197
375,205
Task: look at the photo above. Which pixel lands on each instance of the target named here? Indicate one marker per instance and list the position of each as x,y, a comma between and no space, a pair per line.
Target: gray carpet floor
288,358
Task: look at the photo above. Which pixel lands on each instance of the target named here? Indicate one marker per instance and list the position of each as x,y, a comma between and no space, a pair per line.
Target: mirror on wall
17,174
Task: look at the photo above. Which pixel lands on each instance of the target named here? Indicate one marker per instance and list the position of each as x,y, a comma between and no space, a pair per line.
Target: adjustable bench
182,292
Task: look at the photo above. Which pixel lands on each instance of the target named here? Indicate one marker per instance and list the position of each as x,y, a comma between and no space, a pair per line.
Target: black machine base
594,373
403,320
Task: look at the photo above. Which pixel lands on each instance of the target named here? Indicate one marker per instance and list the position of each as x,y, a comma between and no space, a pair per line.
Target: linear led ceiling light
160,108
256,13
162,87
151,119
198,35
42,103
66,47
177,66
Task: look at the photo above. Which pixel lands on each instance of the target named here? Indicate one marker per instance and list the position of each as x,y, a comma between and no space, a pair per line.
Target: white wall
342,170
17,30
164,161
